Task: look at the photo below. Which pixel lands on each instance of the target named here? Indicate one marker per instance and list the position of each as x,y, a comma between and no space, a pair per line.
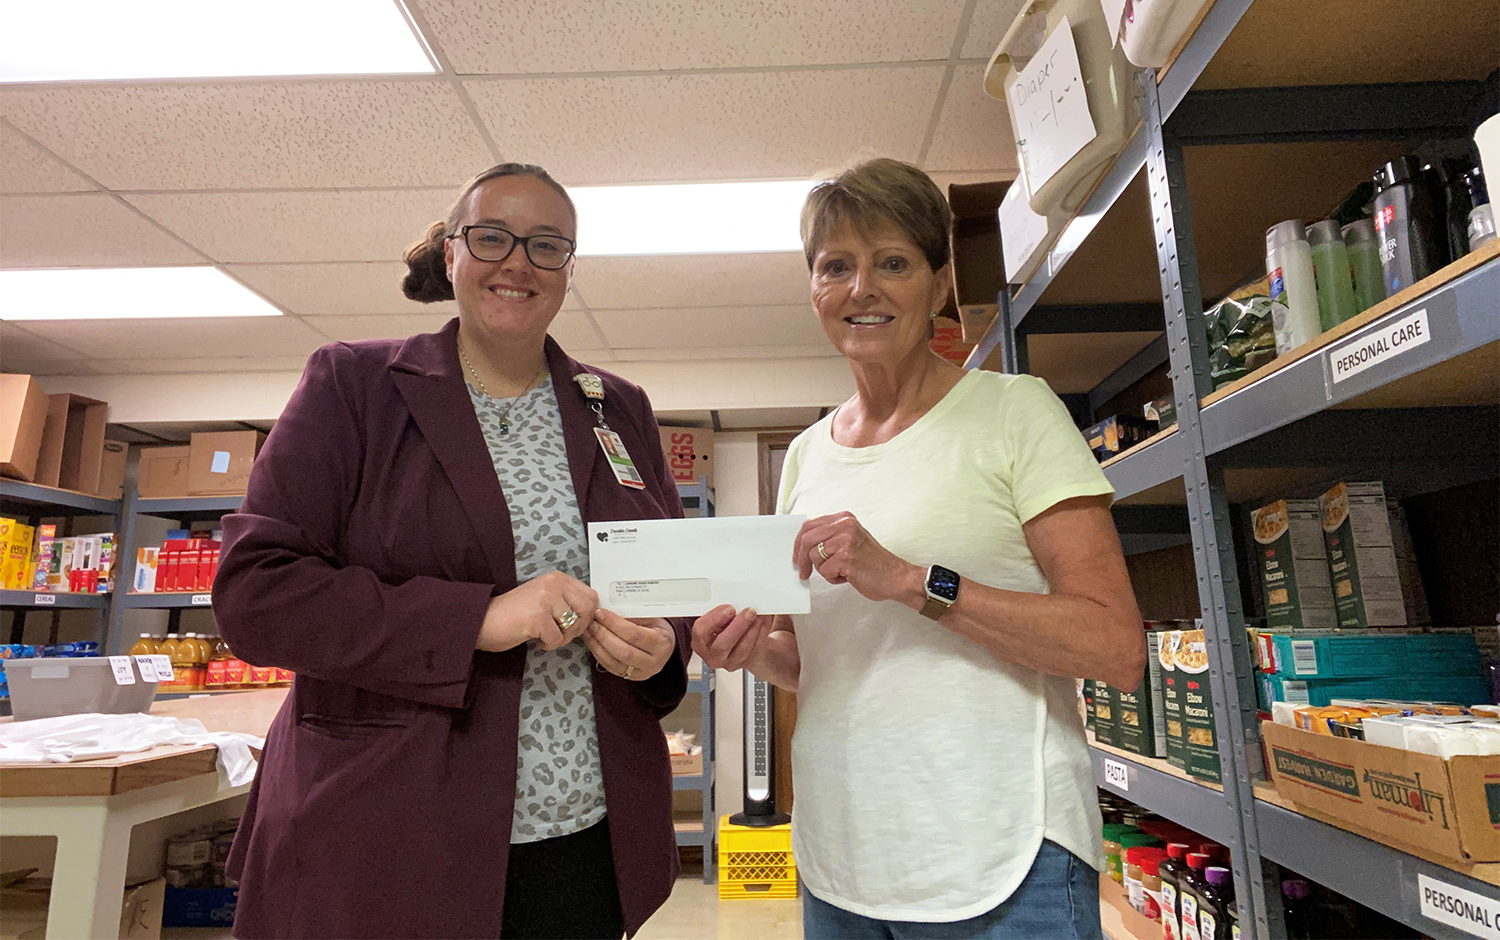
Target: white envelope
687,567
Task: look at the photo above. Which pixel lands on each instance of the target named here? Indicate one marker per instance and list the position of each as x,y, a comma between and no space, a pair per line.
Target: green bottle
1364,264
1331,274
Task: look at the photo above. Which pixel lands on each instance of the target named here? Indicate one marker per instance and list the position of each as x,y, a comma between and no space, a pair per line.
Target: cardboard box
1088,704
689,453
163,472
23,418
1142,719
72,448
1361,556
1464,690
200,907
220,462
974,321
1163,411
1202,745
145,571
46,547
1443,806
1106,715
112,470
1363,655
1293,562
1164,644
15,569
23,910
1116,434
687,763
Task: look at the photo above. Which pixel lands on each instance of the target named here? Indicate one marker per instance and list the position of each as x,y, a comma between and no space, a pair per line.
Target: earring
934,314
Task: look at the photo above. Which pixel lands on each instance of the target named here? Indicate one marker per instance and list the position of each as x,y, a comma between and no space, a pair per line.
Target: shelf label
163,667
1051,108
202,600
124,675
1460,909
1116,775
46,600
147,666
1377,346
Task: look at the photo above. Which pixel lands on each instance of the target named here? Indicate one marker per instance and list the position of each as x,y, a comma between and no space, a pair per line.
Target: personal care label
1463,910
1377,346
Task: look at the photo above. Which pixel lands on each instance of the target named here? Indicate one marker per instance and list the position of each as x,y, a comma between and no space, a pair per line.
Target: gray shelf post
1229,658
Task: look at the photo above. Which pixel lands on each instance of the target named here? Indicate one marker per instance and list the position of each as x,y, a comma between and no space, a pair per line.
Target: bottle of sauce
1113,864
1289,262
1188,891
1135,888
1296,906
1172,871
1234,920
1364,264
1151,882
145,646
1331,273
1213,903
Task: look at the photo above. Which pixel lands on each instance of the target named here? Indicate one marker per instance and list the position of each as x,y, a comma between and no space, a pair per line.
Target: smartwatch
942,591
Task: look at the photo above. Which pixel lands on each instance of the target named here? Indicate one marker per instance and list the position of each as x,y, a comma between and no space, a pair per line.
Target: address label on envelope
687,567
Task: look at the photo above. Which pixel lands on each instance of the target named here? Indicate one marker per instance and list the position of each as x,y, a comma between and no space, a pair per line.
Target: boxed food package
1191,656
163,472
1116,434
15,567
1361,556
1106,715
219,462
1293,565
144,580
1163,411
1163,644
1142,719
1442,805
72,447
1363,655
1464,690
24,904
112,470
23,416
689,453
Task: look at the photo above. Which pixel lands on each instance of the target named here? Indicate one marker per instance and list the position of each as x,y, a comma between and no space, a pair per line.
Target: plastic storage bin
1109,86
52,687
1151,29
1025,236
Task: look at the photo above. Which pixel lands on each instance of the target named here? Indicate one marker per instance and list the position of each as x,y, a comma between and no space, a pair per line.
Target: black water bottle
1409,223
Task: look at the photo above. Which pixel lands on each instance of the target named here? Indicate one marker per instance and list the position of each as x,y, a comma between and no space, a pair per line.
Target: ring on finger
821,552
627,672
568,619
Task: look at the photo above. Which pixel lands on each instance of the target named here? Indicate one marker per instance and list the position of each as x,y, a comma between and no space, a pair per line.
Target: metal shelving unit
34,503
1291,414
699,496
706,834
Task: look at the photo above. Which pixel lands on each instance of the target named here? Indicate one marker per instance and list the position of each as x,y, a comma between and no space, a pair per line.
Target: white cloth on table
95,737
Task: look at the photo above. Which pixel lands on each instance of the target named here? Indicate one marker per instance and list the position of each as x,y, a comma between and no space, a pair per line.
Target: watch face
943,582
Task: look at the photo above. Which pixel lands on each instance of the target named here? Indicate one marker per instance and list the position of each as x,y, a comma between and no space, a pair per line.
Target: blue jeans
1058,900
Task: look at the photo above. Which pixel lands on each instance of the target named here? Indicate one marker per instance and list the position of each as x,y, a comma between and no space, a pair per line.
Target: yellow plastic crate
756,862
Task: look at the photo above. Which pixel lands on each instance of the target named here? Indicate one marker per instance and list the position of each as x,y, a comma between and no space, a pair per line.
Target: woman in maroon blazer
413,545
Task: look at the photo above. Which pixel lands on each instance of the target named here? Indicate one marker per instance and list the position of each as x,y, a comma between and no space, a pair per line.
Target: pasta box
1293,565
1463,689
1353,655
1202,746
1163,645
1450,807
1361,556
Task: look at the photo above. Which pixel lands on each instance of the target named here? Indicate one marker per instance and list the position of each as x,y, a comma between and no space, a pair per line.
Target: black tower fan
760,767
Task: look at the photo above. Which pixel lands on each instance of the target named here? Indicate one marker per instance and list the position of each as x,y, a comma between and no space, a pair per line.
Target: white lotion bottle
1293,288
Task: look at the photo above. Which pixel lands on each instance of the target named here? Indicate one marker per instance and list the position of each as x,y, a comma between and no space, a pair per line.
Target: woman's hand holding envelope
843,551
538,610
727,639
631,649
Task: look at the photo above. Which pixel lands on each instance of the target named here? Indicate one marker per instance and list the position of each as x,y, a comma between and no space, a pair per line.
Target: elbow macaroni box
1293,565
1142,722
1106,716
1164,646
1361,556
1202,748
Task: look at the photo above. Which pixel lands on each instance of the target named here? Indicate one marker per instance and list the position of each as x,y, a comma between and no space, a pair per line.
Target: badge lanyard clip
593,389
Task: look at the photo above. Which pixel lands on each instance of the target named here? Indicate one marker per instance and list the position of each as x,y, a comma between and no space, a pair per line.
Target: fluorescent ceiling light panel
122,40
126,294
689,218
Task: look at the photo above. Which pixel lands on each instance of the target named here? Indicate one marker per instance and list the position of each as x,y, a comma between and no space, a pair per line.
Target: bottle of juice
202,653
1188,892
1172,872
169,647
145,646
1213,903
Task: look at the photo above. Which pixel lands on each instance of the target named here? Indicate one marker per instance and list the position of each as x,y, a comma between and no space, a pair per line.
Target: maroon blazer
374,535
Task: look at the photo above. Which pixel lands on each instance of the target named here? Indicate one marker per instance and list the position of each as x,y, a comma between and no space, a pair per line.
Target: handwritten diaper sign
1050,108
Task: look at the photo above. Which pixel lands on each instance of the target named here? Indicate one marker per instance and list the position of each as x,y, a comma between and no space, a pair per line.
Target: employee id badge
619,459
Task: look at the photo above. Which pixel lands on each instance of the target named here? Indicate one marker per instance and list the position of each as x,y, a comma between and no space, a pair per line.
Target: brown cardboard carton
23,416
112,470
163,472
72,446
689,453
687,763
220,462
23,909
1418,799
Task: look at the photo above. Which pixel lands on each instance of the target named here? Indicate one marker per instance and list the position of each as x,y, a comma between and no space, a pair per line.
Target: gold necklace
474,373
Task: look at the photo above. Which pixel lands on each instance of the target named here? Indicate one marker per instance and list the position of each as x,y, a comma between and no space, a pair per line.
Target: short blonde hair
878,193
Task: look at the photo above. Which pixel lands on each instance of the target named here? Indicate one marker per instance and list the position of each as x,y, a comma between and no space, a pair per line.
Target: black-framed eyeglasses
494,244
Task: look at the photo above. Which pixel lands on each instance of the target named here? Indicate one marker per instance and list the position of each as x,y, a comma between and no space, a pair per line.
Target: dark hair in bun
426,277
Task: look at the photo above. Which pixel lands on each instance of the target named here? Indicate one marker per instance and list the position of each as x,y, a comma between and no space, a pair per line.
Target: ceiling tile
363,225
651,35
727,352
346,329
991,19
711,327
26,168
974,130
18,344
347,288
574,332
778,277
194,364
253,135
186,339
759,125
83,230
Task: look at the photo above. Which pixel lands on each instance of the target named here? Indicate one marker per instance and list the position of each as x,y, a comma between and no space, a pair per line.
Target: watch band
935,607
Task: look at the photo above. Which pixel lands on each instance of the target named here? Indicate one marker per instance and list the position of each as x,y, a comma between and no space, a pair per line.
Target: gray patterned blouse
559,788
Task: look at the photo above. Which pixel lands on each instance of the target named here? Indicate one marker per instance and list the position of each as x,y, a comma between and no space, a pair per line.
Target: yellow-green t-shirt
928,771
